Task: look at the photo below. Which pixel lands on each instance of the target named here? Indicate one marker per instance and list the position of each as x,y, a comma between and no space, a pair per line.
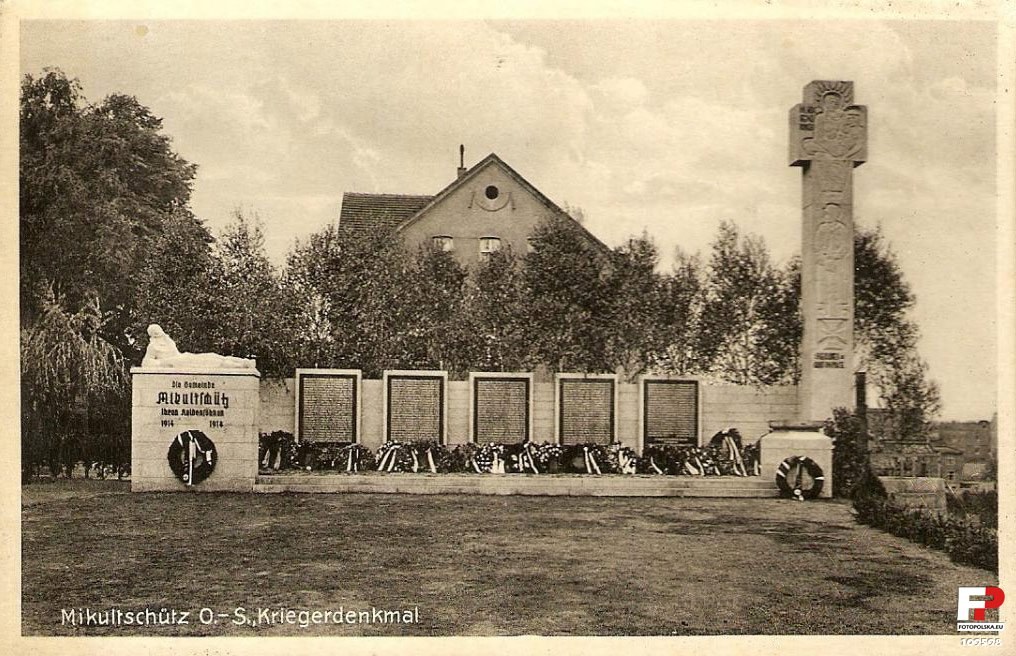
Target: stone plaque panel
327,411
586,411
415,408
670,410
501,410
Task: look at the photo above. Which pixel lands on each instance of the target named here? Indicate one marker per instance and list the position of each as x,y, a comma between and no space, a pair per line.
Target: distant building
976,440
959,451
487,208
951,461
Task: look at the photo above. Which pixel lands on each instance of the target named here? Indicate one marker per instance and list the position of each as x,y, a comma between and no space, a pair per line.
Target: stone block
223,405
916,492
779,445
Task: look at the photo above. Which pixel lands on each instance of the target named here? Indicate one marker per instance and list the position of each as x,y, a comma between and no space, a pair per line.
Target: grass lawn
478,565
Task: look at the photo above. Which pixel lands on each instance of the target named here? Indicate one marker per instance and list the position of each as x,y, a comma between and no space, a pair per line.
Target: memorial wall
719,407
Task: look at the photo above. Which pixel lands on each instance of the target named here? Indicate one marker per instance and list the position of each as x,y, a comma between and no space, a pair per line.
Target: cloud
621,92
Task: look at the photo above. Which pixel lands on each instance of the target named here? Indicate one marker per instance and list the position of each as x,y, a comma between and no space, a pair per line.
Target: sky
664,126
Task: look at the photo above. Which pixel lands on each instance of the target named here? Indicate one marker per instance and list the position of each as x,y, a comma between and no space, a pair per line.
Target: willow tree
69,376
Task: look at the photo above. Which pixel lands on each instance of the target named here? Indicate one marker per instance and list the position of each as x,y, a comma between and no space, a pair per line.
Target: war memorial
197,417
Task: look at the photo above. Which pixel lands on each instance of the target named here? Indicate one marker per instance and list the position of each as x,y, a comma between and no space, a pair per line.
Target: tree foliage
98,182
569,304
492,330
103,203
251,312
69,374
909,398
637,330
887,339
882,299
565,295
747,330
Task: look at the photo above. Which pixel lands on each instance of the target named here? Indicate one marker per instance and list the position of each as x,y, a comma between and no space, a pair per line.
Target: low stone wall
748,409
915,491
519,484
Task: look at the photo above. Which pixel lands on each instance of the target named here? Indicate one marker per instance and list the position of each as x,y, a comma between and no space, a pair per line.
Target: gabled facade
489,207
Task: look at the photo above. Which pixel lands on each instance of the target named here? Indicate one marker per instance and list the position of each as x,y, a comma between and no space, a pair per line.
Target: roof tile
366,213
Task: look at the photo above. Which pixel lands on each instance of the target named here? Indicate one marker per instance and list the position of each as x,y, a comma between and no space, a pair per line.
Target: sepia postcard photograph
522,329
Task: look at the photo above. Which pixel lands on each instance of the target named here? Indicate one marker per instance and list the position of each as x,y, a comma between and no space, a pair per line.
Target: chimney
462,162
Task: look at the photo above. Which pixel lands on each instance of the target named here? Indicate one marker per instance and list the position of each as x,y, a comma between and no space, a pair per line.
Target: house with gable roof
487,208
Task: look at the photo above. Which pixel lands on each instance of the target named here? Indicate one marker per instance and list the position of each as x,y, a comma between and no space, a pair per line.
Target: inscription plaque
586,411
501,410
328,407
670,410
415,408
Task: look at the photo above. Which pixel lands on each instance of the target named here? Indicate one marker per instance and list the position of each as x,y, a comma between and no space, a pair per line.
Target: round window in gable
492,192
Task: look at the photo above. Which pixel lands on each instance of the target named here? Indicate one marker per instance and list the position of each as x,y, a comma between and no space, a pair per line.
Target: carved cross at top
828,126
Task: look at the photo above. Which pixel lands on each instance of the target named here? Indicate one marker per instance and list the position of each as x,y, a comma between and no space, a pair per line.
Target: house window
443,243
492,192
489,245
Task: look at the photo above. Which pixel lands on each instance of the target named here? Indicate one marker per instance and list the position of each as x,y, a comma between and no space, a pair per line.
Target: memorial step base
518,484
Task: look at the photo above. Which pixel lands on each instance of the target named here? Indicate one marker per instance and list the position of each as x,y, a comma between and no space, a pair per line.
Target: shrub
980,505
966,541
851,471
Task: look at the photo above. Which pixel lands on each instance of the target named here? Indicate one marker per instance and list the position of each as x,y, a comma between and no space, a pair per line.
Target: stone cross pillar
828,138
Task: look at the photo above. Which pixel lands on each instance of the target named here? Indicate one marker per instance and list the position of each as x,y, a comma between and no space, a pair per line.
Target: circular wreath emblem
799,477
192,457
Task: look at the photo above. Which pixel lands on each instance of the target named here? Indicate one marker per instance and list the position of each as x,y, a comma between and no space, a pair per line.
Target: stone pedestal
803,440
223,404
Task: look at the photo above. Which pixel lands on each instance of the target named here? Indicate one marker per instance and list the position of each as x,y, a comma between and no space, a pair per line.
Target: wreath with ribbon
396,457
547,457
489,459
192,457
432,457
355,458
321,455
791,481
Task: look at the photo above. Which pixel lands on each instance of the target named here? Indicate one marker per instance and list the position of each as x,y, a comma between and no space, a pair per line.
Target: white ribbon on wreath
527,458
735,456
497,466
388,460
